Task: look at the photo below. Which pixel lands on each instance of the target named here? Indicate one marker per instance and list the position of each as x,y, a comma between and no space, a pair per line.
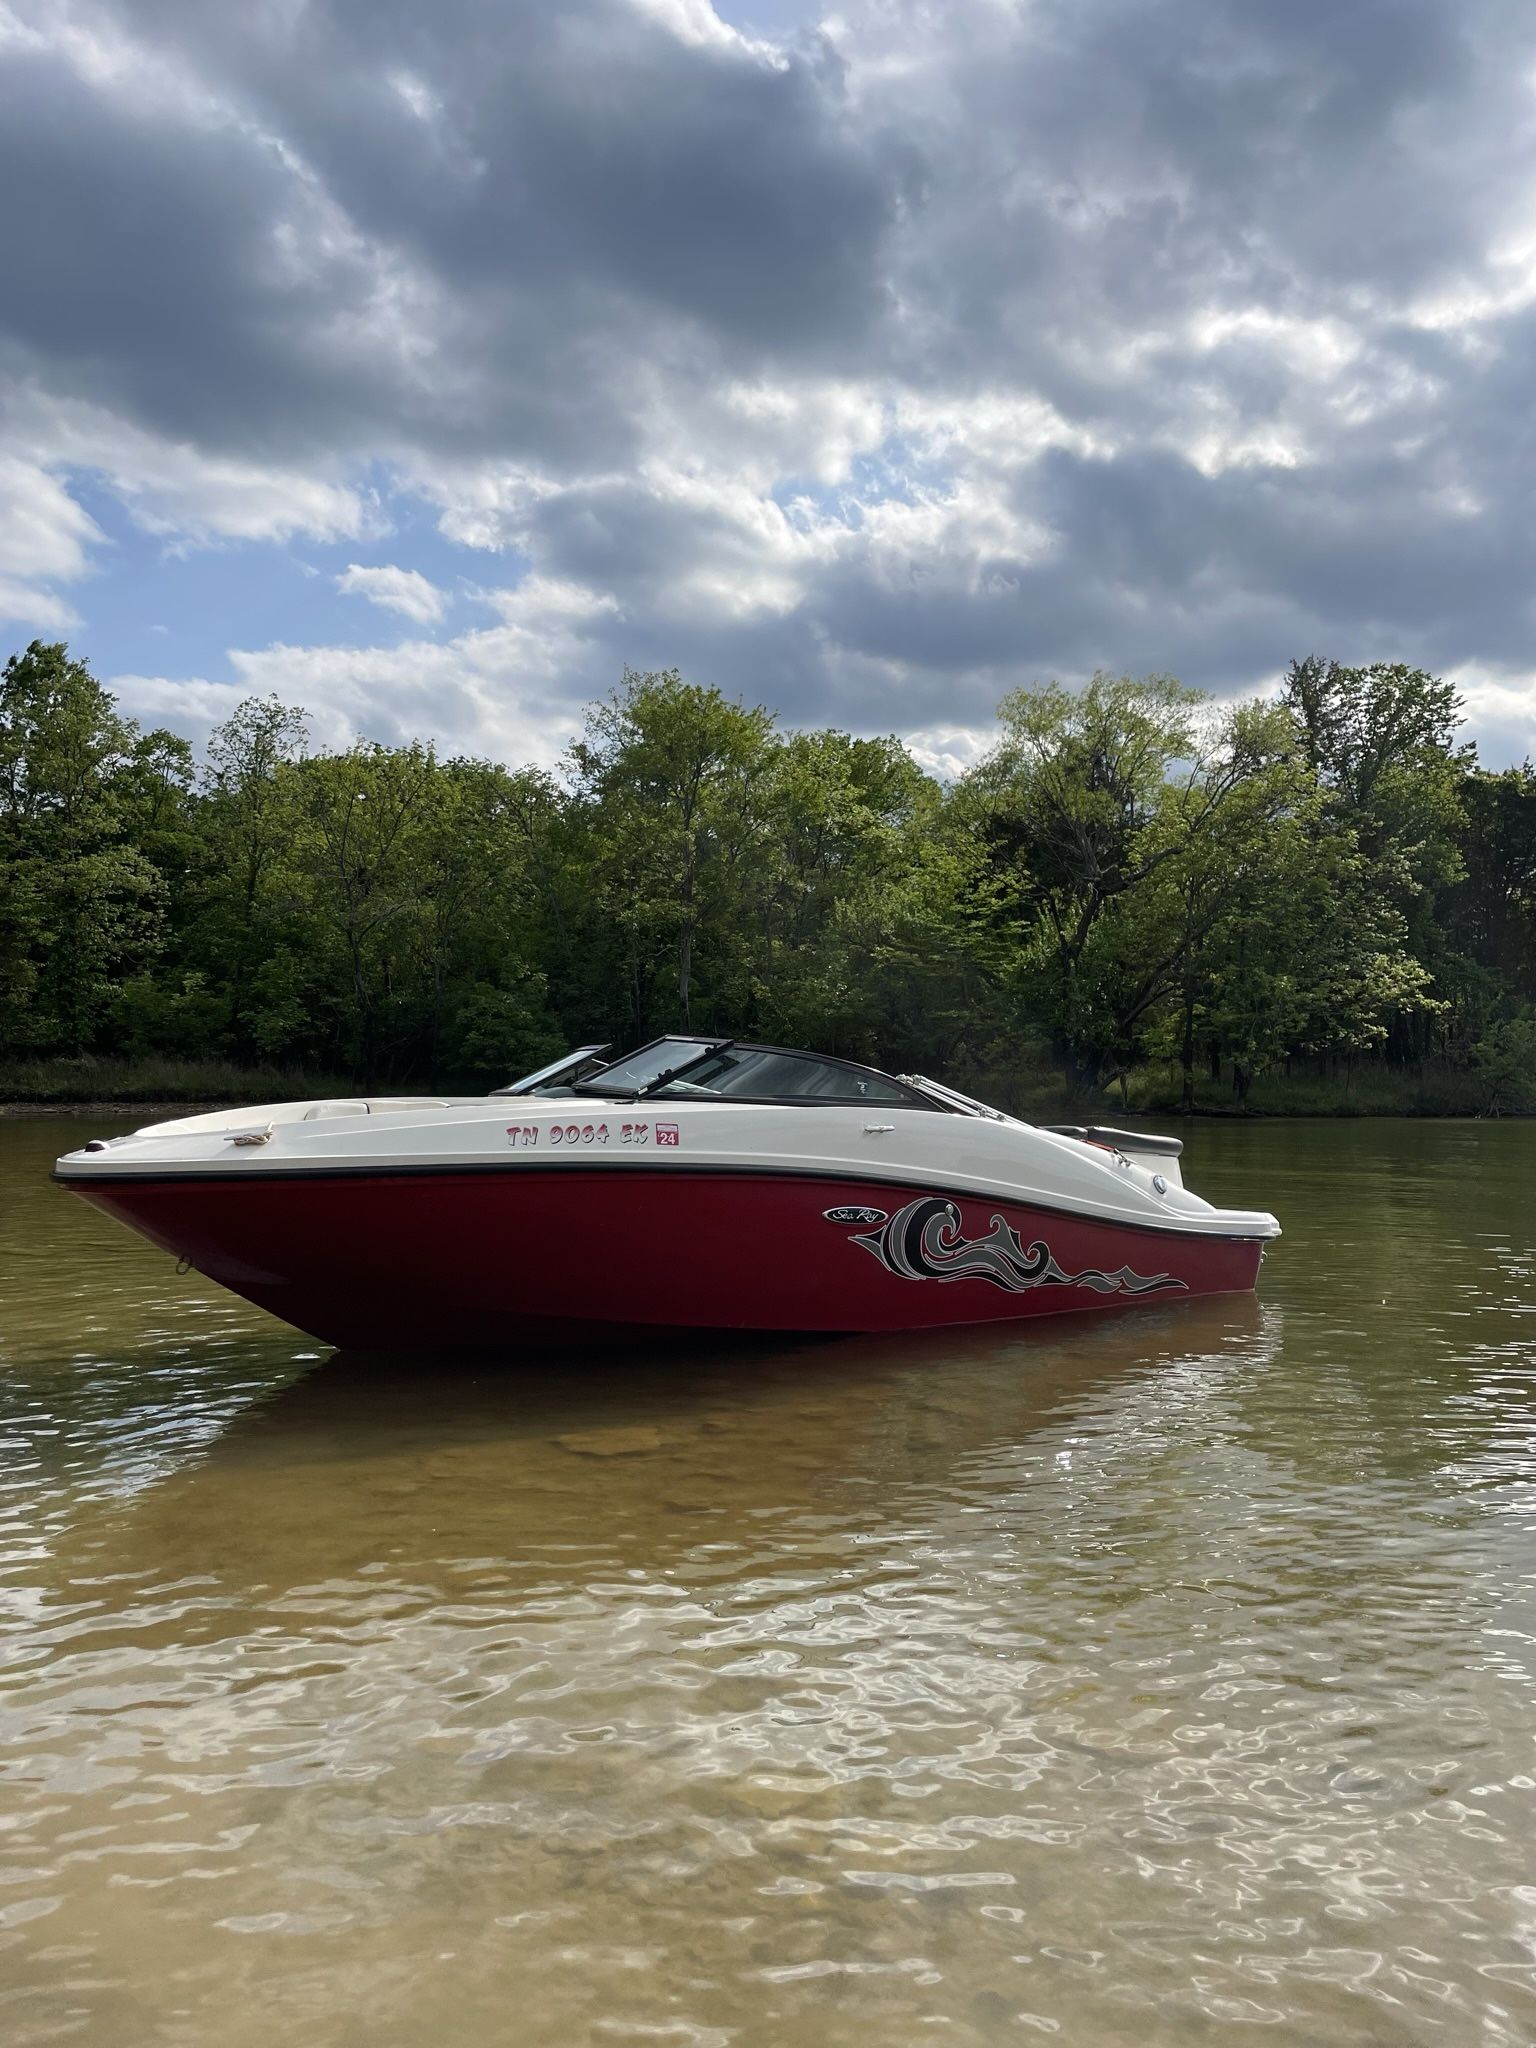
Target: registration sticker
666,1134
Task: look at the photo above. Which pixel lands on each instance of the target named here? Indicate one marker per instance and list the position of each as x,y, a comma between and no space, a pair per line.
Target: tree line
1134,879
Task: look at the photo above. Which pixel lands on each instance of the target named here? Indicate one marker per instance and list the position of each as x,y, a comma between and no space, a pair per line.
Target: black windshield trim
865,1102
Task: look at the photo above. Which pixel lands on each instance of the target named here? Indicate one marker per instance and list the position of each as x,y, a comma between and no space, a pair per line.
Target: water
1137,1681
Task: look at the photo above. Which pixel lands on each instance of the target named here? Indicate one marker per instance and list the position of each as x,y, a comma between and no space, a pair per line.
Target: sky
428,365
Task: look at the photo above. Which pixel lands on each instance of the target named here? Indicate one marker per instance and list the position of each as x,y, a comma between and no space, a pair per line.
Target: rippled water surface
1142,1680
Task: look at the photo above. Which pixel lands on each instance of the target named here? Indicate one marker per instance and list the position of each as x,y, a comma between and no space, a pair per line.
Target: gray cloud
460,228
920,354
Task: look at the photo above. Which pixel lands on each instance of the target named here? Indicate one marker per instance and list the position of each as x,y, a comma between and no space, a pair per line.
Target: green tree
846,820
61,742
670,784
363,817
1131,875
1084,804
1506,1064
245,896
477,936
1491,912
81,906
1383,741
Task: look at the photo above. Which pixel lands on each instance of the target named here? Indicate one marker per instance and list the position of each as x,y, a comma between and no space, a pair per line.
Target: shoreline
161,1111
115,1109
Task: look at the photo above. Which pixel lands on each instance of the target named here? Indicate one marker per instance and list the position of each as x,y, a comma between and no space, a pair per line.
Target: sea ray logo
924,1241
854,1215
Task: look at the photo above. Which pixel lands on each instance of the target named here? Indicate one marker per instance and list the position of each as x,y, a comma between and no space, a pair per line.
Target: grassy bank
63,1084
1036,1091
1371,1091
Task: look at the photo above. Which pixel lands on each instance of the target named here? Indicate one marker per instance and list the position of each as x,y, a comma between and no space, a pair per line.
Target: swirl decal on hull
923,1241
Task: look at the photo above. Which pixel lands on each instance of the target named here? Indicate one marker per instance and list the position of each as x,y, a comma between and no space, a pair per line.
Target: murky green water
1139,1681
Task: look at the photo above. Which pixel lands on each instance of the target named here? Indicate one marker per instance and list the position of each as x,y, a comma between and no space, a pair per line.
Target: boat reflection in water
641,1459
697,1184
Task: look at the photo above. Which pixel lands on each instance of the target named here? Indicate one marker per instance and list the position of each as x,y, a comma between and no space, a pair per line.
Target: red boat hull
523,1256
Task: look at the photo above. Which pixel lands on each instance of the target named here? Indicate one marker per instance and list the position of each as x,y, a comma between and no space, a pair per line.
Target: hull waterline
382,1259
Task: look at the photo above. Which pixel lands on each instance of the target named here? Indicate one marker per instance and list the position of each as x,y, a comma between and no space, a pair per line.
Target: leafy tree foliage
85,800
1132,875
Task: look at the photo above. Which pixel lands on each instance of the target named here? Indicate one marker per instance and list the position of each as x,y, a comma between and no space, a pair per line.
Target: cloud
1501,711
397,590
872,367
188,496
45,539
499,690
29,606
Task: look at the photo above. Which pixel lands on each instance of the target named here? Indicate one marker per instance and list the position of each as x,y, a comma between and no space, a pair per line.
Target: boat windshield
762,1075
643,1069
712,1068
559,1074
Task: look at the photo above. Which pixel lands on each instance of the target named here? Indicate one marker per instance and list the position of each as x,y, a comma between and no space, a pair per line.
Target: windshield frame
958,1101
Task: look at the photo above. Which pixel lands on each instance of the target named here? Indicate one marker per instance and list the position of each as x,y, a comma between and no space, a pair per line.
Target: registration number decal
524,1136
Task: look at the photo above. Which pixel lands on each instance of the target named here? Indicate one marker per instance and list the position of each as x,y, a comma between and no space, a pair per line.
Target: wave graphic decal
923,1241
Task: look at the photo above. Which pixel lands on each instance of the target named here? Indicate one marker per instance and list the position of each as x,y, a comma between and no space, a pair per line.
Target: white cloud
500,691
1500,714
44,539
695,22
30,606
396,590
184,493
949,750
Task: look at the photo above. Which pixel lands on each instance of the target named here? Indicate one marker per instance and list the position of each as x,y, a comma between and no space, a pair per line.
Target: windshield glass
779,1076
641,1069
559,1074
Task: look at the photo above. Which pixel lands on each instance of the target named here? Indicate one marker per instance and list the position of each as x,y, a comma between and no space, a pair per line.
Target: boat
698,1183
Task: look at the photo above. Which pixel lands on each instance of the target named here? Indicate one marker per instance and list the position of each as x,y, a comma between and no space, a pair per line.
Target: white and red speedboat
699,1183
